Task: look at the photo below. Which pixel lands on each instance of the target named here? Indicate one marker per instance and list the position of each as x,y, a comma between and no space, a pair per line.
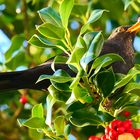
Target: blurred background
18,19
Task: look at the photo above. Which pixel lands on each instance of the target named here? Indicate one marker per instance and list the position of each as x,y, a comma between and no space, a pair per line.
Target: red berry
103,137
23,99
93,138
137,133
115,124
126,113
113,135
127,124
131,130
107,129
121,130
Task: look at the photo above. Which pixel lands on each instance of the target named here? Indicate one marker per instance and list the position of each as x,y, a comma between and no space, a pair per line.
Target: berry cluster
117,128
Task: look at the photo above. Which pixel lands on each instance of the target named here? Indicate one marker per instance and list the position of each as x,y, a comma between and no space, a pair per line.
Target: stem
67,38
86,82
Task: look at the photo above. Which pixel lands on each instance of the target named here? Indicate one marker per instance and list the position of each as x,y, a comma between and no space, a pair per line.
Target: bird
120,42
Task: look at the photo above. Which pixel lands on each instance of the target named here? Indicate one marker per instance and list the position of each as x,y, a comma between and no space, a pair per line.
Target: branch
27,78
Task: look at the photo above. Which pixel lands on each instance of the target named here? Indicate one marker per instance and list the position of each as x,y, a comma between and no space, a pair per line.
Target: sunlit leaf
51,31
50,102
59,125
17,42
93,50
35,123
37,111
60,76
132,88
95,15
57,94
77,53
50,15
65,11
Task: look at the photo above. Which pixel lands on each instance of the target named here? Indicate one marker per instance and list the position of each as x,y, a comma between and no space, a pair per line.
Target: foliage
96,95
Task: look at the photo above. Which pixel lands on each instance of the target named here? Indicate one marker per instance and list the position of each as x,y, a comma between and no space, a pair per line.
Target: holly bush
83,99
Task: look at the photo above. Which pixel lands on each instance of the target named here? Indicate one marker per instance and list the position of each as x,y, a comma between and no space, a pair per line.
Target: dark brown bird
119,42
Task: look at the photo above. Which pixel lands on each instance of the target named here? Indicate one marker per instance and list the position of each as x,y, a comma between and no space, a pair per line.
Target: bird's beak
134,28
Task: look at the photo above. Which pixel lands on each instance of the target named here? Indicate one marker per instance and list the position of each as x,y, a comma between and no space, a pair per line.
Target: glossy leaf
105,60
88,37
60,76
57,94
65,11
131,74
35,135
105,81
84,118
35,123
79,9
17,42
132,88
93,50
51,31
59,125
37,111
50,15
16,60
82,94
59,60
95,15
77,53
39,41
50,102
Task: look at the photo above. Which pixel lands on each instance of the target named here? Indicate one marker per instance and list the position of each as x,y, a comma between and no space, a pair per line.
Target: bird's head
125,32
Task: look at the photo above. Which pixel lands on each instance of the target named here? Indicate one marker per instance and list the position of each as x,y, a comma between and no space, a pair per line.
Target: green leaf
35,123
77,78
131,74
37,111
79,9
103,61
59,125
95,15
42,42
75,106
93,50
85,117
16,60
58,79
59,60
88,37
127,3
57,94
51,31
132,88
65,11
105,81
62,86
77,53
17,42
50,15
50,102
82,94
39,41
60,76
112,56
35,135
